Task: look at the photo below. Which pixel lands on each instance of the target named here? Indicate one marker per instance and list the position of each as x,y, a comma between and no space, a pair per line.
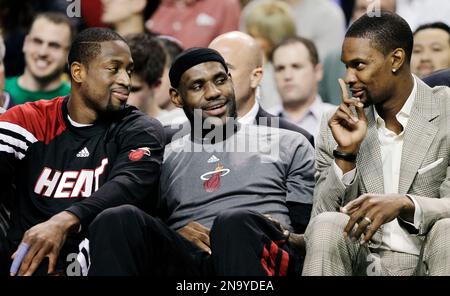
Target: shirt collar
404,113
250,116
76,124
316,109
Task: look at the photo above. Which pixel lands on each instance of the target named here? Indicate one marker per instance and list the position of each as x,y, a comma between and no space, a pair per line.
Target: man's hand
348,131
197,234
45,240
297,241
278,225
371,211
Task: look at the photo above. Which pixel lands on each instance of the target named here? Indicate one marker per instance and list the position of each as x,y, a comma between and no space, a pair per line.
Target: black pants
126,241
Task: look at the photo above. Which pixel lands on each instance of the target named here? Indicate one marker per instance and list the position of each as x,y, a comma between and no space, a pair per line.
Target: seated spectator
269,22
214,195
149,59
5,99
297,76
431,50
438,78
46,47
195,22
65,160
127,16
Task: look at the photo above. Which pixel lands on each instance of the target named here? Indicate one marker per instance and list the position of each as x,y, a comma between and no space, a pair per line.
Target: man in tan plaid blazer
381,203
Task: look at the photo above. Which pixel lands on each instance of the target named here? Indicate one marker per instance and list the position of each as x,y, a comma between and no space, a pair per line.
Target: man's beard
197,117
205,127
112,112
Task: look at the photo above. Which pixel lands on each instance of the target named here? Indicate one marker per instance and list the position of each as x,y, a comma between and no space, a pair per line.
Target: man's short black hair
149,57
86,45
436,25
386,32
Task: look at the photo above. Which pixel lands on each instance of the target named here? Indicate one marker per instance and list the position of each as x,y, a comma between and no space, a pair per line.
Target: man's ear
318,70
176,98
398,57
77,72
256,76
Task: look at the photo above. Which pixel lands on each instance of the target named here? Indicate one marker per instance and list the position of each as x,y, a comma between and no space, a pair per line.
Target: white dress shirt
310,121
394,237
250,116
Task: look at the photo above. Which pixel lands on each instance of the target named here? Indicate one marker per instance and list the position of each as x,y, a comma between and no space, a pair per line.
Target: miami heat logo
137,154
212,179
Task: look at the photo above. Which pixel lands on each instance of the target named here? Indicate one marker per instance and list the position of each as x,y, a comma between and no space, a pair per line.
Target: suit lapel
419,135
369,161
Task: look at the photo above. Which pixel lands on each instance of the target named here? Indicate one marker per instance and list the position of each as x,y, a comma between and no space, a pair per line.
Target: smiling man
65,160
382,182
45,48
218,186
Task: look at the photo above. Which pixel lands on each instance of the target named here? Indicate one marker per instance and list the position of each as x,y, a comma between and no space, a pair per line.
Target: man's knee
329,222
437,248
113,217
233,220
439,236
329,219
440,227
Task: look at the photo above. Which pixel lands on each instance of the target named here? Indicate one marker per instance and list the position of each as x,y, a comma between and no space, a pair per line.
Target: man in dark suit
244,59
437,78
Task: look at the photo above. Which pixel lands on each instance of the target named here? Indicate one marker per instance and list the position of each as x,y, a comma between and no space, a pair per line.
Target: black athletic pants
126,241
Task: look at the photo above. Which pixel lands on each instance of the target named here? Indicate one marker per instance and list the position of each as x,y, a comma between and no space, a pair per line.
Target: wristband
344,156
